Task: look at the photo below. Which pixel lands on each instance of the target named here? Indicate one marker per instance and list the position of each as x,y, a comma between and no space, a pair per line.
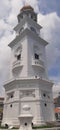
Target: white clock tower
29,83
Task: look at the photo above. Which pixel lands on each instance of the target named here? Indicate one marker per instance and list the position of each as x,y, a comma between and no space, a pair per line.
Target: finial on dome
26,4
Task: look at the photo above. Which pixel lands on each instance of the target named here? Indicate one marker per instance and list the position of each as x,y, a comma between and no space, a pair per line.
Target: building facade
57,107
29,83
1,108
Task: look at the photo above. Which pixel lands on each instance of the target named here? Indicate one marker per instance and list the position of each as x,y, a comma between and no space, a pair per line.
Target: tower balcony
17,64
38,63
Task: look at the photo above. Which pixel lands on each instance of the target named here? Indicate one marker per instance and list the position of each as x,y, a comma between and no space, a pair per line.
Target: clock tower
29,83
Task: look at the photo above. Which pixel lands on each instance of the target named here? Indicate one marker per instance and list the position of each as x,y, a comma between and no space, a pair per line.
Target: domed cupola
26,7
27,11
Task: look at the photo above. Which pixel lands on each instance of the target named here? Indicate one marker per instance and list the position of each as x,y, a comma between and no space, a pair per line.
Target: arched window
10,105
18,52
36,56
44,94
45,105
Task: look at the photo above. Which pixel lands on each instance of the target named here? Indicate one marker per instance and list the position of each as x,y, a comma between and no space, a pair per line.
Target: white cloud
4,8
4,27
5,57
51,32
56,90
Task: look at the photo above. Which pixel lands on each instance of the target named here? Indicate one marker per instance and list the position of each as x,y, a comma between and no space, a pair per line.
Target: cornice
29,80
29,21
25,33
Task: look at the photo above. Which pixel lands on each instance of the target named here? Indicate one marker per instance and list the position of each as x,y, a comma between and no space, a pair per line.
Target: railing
38,63
17,64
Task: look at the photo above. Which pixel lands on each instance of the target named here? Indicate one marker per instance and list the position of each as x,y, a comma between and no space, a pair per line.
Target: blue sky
48,6
48,17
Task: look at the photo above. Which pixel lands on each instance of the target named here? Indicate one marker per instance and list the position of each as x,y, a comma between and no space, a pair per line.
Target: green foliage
2,127
42,126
